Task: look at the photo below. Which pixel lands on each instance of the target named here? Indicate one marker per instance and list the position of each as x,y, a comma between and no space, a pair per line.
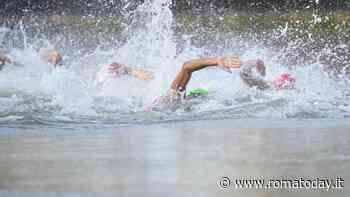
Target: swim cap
285,81
198,92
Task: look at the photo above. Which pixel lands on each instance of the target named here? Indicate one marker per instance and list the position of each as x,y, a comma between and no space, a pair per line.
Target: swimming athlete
251,72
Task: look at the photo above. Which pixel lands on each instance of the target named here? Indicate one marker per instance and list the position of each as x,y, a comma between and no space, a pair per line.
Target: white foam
151,45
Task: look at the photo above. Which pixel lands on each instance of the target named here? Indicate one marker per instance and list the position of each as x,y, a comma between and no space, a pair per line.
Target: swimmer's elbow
188,66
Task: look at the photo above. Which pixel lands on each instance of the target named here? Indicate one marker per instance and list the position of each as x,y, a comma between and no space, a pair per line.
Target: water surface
180,159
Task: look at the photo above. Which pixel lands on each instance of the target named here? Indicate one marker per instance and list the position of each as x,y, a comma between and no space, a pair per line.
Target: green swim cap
198,92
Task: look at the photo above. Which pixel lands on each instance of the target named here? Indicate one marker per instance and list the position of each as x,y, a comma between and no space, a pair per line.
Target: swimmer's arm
262,84
183,77
140,74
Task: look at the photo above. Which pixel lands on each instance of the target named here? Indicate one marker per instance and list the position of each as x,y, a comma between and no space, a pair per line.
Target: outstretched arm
117,69
141,74
183,77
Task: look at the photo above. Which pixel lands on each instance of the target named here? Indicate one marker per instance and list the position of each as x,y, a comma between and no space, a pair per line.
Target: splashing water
36,94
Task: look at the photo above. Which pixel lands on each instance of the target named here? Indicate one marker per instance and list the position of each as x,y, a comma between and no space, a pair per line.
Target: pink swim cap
285,81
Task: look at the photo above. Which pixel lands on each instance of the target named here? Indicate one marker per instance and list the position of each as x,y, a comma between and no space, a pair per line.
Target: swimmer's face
54,58
260,67
4,60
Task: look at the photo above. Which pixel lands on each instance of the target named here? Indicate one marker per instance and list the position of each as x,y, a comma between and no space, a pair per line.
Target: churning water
35,94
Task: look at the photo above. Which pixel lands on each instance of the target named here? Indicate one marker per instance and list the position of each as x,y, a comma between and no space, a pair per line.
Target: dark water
179,159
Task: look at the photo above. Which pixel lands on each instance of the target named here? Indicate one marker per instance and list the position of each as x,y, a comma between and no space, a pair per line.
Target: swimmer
252,73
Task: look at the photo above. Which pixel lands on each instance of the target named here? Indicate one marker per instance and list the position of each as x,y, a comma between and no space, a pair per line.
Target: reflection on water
183,159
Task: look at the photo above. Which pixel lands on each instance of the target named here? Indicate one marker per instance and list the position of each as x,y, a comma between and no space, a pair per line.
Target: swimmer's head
285,81
4,60
260,67
51,56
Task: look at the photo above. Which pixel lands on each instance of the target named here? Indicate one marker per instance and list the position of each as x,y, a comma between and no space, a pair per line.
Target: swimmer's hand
142,74
116,69
229,63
